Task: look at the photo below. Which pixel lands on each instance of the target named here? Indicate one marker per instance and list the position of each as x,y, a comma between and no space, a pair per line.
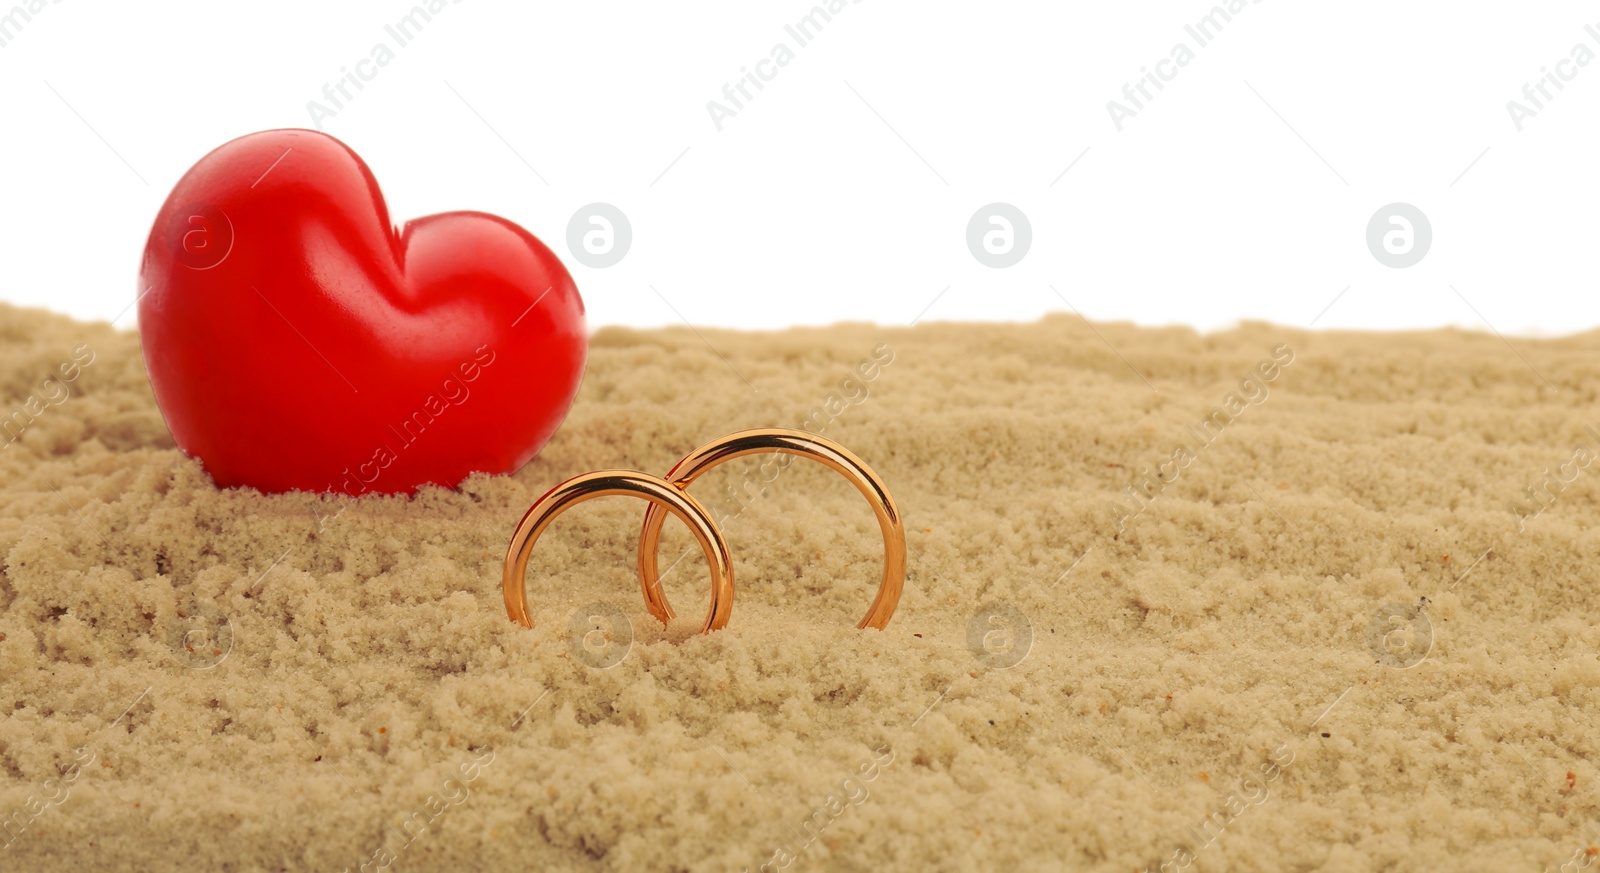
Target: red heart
297,341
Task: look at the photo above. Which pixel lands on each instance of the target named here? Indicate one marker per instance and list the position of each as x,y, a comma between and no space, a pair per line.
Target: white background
808,207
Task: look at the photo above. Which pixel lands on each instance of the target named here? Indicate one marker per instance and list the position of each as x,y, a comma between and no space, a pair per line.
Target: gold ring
663,497
790,442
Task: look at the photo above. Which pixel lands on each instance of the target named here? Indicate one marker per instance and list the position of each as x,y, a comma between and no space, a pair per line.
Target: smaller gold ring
790,442
663,497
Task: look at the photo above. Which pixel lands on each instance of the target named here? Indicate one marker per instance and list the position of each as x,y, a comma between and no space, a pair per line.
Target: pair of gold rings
671,495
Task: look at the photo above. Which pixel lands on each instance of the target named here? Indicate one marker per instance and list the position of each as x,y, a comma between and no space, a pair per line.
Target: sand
229,681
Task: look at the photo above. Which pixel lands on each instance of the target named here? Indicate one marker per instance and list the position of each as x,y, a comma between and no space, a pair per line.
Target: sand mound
1287,605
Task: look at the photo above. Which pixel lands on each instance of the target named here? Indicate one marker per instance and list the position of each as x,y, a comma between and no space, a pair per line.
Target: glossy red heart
296,340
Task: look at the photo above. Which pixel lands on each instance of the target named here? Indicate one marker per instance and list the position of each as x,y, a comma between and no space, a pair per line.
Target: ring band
663,496
790,442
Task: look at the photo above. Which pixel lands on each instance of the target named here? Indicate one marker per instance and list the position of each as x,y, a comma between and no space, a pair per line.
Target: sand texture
221,680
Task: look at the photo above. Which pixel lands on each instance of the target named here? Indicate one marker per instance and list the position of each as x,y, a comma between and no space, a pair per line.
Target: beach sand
1208,678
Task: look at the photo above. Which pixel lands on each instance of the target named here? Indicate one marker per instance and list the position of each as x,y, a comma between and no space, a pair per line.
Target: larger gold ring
663,497
790,442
